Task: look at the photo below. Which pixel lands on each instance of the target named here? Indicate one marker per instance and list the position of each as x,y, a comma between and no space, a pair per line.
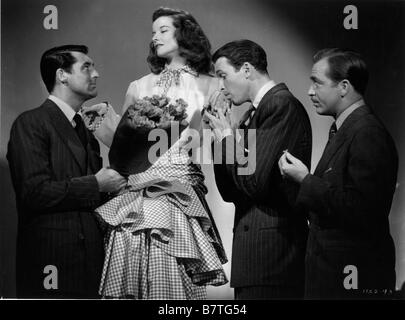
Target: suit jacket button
81,236
245,228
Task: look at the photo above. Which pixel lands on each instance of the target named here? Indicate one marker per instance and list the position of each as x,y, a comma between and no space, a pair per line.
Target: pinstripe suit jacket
349,197
56,191
269,231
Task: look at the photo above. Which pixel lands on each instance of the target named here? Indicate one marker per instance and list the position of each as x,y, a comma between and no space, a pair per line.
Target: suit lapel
93,157
67,133
330,151
344,132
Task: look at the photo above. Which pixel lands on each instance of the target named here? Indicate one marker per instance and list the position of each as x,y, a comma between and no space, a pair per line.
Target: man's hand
110,181
218,101
292,167
219,124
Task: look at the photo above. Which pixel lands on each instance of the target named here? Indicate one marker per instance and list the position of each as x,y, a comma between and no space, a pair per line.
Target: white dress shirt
343,116
262,92
65,108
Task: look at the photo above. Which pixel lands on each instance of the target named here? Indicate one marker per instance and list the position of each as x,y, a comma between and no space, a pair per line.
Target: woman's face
163,37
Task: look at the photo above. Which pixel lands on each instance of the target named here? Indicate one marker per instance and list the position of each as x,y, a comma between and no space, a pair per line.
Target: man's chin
319,110
92,94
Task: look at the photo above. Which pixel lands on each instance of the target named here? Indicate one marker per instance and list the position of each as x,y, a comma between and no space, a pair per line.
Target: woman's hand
93,113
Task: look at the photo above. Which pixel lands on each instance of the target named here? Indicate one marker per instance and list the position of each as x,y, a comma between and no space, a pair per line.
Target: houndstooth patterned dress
162,242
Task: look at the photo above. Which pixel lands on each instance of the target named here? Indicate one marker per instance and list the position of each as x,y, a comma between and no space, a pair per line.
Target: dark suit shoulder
370,133
34,116
369,123
31,123
279,96
279,100
374,131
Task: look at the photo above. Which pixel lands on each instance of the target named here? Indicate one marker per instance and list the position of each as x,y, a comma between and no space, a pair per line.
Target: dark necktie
247,117
80,129
332,132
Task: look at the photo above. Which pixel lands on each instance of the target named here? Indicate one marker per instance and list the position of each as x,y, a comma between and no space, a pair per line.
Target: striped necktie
247,117
332,132
80,129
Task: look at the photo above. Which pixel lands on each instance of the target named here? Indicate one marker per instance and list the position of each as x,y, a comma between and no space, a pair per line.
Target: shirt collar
263,90
343,116
64,107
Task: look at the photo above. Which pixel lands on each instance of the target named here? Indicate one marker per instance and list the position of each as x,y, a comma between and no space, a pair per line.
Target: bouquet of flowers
130,147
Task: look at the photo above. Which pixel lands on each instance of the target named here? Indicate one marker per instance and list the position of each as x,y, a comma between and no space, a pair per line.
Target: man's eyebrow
88,63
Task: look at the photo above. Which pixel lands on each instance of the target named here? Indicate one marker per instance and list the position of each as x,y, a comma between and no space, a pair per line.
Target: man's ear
61,76
345,87
247,69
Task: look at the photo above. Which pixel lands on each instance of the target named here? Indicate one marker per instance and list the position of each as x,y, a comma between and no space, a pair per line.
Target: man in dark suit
269,232
56,172
350,250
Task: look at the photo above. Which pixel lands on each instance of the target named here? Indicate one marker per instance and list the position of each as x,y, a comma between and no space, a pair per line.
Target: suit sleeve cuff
225,133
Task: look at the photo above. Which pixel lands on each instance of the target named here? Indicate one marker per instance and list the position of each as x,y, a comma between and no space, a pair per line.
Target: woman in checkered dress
162,241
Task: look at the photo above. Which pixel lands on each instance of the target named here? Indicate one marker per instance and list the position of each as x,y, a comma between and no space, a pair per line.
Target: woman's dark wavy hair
193,44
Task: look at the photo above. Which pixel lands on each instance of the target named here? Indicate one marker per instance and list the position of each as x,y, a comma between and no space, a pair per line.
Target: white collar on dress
169,76
185,68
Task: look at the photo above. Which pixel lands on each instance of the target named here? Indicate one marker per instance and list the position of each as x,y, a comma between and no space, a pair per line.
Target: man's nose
221,85
95,74
311,91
